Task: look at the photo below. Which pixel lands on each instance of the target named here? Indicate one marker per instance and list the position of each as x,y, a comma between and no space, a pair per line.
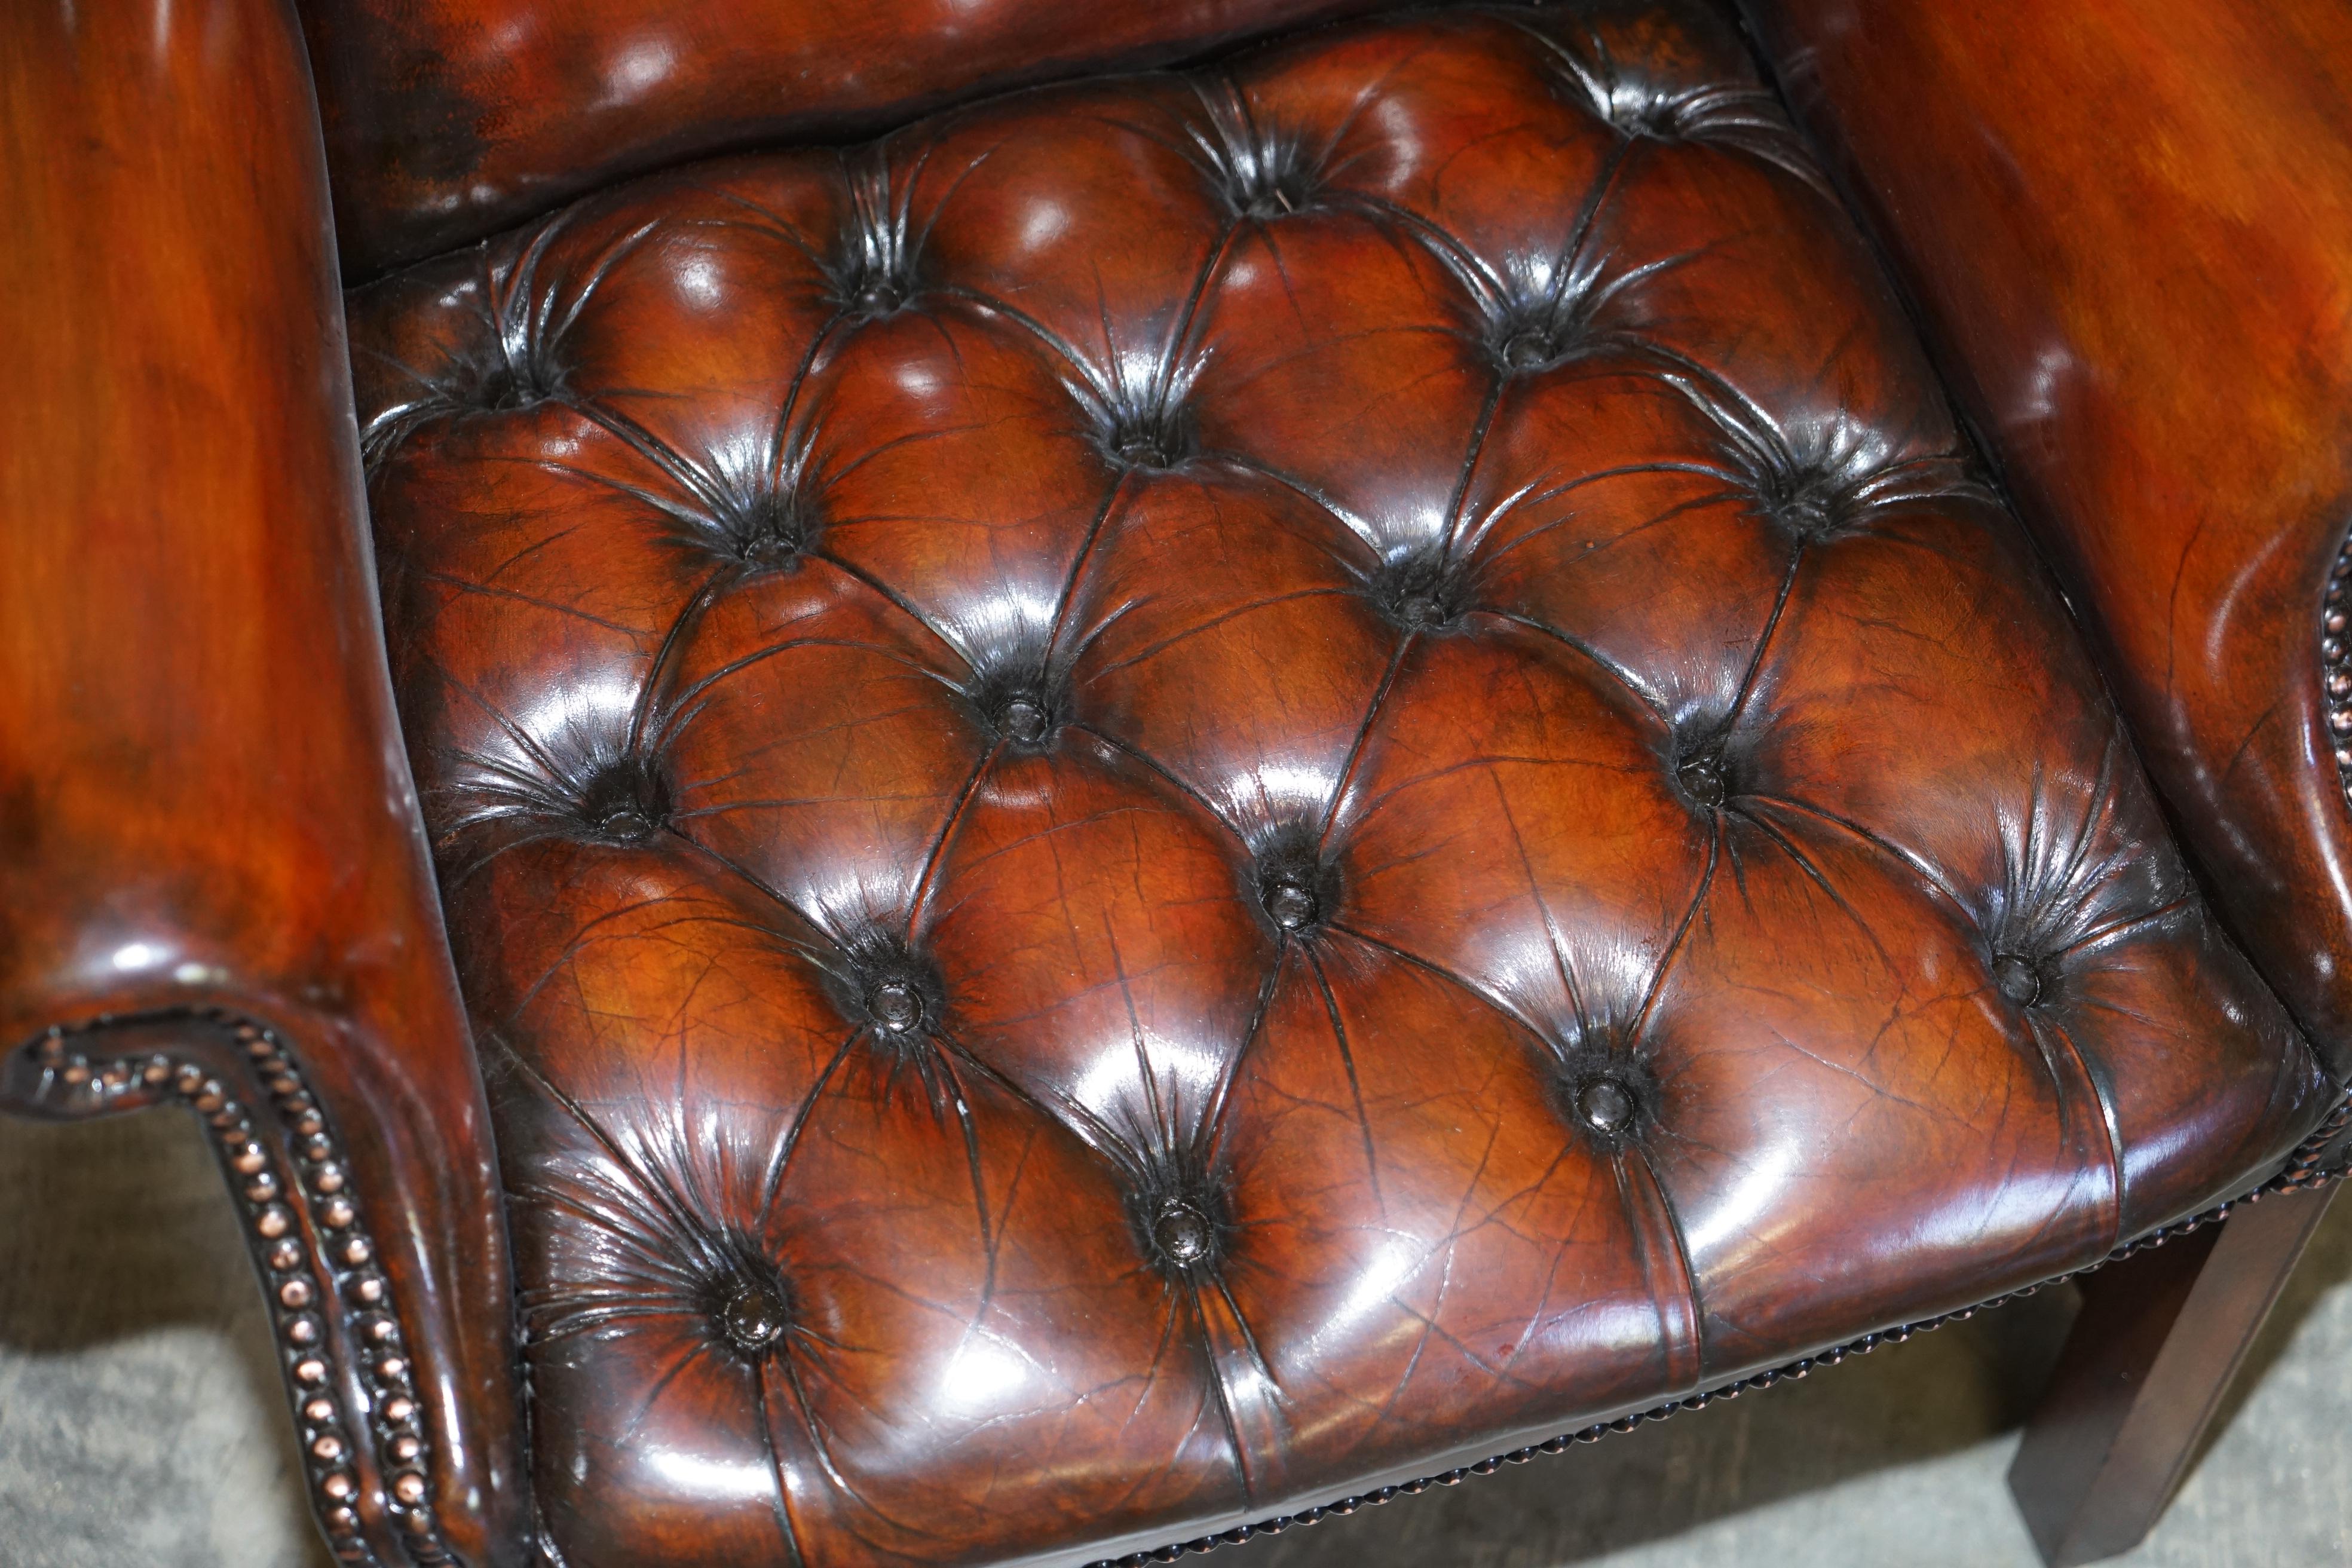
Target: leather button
1659,119
2017,979
1265,174
1421,610
896,1005
1023,711
877,297
1809,503
1182,1233
1702,779
1145,424
1292,904
1529,350
1422,593
775,530
1149,441
1025,720
503,384
752,1319
626,801
626,823
1604,1105
1807,515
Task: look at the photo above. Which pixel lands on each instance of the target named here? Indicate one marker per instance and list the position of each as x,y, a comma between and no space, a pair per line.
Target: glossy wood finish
202,802
1185,793
2160,1336
2125,224
448,119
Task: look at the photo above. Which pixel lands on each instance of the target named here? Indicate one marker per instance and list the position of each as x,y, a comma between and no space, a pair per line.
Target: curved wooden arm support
2123,224
214,884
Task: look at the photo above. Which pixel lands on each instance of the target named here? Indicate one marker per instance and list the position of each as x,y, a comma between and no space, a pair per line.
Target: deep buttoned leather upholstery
1185,791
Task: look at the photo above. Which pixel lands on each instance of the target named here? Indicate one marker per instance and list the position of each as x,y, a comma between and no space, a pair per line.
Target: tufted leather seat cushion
1183,793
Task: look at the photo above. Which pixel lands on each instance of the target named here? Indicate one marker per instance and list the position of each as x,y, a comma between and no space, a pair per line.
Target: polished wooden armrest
2127,227
213,885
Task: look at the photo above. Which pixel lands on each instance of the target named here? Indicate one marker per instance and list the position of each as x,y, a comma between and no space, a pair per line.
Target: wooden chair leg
2159,1337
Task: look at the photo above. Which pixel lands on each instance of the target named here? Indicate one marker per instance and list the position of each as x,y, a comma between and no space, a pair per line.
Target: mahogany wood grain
2160,1336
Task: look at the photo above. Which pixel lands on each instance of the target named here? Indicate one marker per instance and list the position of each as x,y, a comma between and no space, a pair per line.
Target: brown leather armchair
1012,782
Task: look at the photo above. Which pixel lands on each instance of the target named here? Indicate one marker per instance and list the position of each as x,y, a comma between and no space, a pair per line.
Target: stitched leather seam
334,1318
2302,1171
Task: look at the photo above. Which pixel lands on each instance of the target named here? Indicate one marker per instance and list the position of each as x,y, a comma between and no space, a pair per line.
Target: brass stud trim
288,1175
2302,1170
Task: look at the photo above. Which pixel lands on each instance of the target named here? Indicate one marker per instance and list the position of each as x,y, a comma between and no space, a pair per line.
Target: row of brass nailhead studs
2336,663
292,1274
2302,1171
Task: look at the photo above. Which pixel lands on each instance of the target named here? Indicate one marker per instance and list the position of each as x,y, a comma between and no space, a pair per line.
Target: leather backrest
447,119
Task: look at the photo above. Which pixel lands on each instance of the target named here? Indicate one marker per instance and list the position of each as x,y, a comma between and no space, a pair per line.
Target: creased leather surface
1181,789
448,119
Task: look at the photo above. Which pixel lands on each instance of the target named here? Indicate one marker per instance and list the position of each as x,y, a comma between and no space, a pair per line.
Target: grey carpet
139,1420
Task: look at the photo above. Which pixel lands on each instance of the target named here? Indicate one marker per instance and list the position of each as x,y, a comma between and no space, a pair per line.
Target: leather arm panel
213,885
2123,225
